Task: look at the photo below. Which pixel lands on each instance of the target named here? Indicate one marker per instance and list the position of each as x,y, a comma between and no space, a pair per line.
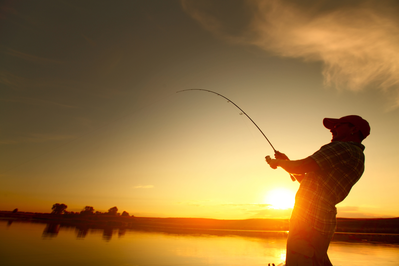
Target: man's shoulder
344,145
337,151
331,150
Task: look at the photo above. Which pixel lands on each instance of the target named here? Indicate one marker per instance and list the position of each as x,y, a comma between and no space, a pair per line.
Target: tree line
60,208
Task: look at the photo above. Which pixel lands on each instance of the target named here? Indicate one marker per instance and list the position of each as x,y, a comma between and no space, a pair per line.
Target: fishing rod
230,101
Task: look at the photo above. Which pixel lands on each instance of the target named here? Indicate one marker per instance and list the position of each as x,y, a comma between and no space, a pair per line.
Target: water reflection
51,230
81,232
82,245
107,234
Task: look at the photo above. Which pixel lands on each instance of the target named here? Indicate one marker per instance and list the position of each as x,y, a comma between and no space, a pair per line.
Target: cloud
11,80
144,186
32,58
36,138
199,203
38,102
261,211
244,206
90,41
21,83
357,41
250,210
272,213
249,205
357,212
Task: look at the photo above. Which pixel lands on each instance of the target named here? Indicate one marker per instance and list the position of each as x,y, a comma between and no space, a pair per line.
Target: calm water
40,244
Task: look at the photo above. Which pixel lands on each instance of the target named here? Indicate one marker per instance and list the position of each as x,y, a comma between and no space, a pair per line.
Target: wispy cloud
90,41
198,203
143,186
248,205
32,58
260,210
357,41
35,138
360,212
243,206
21,83
38,102
11,80
252,210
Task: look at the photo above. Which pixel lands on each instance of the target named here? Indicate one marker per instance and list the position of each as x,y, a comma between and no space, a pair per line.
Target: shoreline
348,229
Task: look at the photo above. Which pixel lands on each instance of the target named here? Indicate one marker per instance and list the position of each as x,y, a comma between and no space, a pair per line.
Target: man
326,177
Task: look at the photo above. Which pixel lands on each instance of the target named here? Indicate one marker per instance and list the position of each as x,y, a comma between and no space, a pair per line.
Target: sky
90,114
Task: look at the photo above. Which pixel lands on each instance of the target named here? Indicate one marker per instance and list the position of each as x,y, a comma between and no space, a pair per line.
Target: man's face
341,131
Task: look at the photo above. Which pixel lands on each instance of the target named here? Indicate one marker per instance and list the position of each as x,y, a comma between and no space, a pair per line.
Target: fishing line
243,112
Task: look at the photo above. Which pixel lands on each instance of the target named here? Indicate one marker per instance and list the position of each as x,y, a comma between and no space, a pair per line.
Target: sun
280,198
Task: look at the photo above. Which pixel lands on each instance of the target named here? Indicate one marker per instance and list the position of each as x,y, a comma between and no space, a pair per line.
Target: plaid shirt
341,166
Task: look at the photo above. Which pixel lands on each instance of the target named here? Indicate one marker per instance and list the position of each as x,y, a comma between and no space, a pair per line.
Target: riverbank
380,230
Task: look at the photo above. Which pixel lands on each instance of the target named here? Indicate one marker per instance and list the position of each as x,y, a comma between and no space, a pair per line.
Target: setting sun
280,198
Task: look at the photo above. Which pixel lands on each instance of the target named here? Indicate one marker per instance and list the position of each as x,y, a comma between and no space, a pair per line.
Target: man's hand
272,162
281,156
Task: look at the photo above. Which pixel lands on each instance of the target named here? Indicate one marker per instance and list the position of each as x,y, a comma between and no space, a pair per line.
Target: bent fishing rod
230,101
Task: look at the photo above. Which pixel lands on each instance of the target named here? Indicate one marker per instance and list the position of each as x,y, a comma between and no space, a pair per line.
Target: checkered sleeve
331,155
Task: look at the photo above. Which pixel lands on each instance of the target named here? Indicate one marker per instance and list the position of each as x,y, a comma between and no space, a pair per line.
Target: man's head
348,128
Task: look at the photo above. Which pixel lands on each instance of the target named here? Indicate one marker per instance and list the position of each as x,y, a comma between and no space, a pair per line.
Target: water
40,244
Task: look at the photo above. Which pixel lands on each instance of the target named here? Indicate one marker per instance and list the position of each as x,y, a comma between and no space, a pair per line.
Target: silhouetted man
326,177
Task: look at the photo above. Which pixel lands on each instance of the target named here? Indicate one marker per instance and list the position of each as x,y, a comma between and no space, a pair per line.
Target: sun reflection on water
134,247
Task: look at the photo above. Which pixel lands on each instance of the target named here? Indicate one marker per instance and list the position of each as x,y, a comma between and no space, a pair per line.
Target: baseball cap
355,120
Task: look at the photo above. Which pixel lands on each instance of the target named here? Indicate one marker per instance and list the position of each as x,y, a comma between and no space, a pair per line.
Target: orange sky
90,114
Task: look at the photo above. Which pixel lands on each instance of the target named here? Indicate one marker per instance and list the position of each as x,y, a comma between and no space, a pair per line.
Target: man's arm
294,167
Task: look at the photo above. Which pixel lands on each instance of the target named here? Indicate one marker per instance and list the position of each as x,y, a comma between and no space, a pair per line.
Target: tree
125,213
59,208
113,211
87,210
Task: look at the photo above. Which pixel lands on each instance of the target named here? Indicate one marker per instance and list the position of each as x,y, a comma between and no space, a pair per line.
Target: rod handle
282,156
